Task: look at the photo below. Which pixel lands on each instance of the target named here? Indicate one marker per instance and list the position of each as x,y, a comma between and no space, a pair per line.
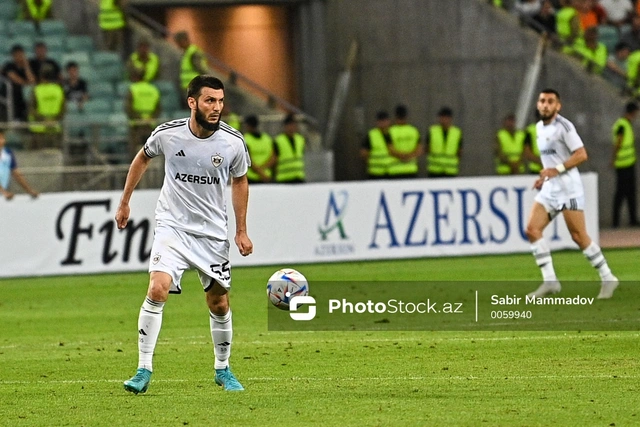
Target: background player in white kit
561,190
201,153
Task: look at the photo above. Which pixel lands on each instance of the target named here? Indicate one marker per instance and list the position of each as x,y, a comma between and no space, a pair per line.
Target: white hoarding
68,233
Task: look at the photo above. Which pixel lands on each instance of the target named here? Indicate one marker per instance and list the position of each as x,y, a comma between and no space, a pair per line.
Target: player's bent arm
578,157
138,167
240,201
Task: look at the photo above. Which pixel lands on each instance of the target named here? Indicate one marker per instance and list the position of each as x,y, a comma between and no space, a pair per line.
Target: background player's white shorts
175,251
555,202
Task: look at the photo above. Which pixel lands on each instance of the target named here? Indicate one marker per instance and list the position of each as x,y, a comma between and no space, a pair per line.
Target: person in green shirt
624,162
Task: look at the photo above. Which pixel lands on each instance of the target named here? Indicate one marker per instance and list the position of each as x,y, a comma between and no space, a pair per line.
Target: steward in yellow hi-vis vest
374,147
144,61
568,26
624,162
143,108
193,62
112,22
405,147
261,152
509,148
47,108
444,146
289,148
531,151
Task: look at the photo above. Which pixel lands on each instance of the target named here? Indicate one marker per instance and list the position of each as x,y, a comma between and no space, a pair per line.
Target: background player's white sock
149,323
597,260
221,333
542,253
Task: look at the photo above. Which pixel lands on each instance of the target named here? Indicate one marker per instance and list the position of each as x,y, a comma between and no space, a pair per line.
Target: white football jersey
196,170
556,142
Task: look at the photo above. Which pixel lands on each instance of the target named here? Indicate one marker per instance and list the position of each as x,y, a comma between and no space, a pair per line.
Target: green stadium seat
100,89
122,88
118,105
166,86
609,36
53,42
8,10
52,27
82,58
74,124
101,58
170,102
25,41
3,29
79,44
21,28
179,114
112,72
98,106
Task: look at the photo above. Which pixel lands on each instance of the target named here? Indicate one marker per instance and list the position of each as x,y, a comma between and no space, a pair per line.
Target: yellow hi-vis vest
379,158
512,146
563,27
233,120
443,155
626,155
111,17
290,164
633,65
144,98
260,151
149,68
49,102
405,139
593,60
39,12
187,70
534,167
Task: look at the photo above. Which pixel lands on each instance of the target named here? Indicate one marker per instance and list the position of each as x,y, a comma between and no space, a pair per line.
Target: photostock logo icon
302,300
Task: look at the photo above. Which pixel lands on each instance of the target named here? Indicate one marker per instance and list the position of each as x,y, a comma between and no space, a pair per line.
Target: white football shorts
556,201
175,251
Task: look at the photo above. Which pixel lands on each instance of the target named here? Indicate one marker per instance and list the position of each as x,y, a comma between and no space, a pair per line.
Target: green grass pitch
67,343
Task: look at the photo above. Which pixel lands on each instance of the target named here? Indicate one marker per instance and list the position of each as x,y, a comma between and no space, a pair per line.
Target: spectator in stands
617,65
75,87
624,162
527,8
36,11
142,105
374,147
9,169
591,14
444,146
509,148
546,18
593,53
290,148
194,61
112,21
633,74
19,73
144,61
260,146
619,12
632,37
531,152
41,60
47,108
568,25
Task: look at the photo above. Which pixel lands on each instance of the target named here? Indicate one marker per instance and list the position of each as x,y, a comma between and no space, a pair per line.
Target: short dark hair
17,48
621,45
553,91
39,43
445,112
251,120
401,111
290,118
71,64
198,82
631,107
382,115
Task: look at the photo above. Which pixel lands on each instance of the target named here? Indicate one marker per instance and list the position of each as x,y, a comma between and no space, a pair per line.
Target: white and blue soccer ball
285,284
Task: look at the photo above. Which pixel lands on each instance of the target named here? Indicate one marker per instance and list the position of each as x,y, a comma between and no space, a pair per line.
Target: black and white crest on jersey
156,259
217,160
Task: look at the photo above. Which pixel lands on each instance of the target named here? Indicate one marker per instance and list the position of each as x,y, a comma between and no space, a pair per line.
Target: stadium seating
609,36
102,89
52,27
8,10
98,106
80,44
21,28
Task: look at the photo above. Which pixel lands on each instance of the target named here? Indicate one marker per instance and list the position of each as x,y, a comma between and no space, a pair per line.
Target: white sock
542,254
597,260
149,323
221,334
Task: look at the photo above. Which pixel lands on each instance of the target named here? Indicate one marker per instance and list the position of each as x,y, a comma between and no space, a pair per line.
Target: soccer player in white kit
561,191
201,153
